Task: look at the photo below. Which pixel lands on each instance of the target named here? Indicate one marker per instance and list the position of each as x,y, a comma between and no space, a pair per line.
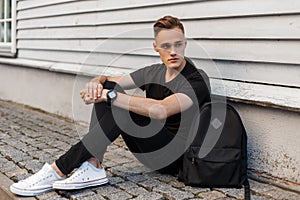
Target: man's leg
144,145
102,132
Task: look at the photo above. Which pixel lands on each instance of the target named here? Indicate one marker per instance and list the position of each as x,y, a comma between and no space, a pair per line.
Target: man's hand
90,99
94,89
85,97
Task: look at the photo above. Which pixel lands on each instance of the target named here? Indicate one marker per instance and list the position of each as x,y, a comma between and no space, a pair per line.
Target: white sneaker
38,183
87,175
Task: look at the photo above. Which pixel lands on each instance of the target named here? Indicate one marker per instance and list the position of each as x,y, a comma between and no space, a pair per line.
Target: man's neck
171,73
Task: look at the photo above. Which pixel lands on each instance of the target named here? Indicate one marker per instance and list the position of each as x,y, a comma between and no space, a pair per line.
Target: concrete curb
5,193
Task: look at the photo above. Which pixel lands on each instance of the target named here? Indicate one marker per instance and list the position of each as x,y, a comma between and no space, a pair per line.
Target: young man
155,128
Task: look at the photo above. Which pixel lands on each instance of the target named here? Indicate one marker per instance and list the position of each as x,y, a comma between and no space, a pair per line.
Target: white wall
56,93
273,141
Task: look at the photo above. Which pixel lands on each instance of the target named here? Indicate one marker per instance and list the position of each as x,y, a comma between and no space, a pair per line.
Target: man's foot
38,183
87,175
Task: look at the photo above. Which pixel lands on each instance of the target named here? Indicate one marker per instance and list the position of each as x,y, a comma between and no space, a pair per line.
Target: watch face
112,94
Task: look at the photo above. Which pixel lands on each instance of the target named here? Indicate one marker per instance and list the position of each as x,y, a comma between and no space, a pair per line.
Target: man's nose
173,50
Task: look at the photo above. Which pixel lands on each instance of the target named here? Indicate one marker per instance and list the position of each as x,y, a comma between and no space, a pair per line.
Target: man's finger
100,88
89,89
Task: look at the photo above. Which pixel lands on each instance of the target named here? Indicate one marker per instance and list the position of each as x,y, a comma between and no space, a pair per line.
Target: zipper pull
193,160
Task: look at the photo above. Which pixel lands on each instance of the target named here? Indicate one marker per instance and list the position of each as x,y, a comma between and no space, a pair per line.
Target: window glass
8,31
8,9
1,9
1,31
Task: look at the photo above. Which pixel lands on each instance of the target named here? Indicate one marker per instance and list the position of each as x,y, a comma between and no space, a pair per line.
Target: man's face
170,44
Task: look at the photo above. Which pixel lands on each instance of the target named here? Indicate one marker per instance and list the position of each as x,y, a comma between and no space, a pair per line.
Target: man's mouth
173,60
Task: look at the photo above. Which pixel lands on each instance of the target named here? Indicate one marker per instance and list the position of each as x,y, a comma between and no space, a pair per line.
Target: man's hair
167,22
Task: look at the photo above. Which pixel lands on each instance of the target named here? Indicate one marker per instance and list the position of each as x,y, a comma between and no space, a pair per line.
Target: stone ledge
5,193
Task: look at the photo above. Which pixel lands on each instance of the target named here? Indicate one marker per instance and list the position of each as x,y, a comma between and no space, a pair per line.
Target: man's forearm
100,79
141,105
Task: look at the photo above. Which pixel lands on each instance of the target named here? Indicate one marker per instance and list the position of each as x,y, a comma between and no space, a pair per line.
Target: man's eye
178,44
166,46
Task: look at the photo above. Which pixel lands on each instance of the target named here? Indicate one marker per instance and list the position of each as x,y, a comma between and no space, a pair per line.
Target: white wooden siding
254,44
264,27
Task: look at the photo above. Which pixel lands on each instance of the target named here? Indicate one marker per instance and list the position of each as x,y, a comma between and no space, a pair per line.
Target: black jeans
104,130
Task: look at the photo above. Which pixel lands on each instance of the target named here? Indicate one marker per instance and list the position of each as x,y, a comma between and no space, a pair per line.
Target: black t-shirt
151,79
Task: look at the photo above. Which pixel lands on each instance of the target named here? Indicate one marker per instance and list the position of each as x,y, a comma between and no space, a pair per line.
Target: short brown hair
167,22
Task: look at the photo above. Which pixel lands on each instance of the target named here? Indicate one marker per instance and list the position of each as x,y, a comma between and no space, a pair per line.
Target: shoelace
79,173
37,178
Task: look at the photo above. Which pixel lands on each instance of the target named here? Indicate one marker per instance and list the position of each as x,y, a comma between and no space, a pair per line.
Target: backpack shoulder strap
247,191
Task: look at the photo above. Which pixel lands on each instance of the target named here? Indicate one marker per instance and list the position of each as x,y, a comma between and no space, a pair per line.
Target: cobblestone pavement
29,138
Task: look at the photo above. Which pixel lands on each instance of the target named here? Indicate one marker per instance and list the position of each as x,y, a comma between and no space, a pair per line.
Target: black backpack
217,156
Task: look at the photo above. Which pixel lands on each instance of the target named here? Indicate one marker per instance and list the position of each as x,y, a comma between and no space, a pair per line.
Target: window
7,27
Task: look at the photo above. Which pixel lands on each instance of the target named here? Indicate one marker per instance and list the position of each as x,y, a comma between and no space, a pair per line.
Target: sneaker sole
77,186
29,193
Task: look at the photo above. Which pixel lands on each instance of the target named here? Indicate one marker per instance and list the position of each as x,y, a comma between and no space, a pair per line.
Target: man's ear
155,46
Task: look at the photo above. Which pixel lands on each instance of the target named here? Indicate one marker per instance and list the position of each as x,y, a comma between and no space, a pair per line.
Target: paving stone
113,193
16,172
176,184
8,166
149,196
211,195
149,184
106,189
119,195
126,185
232,192
115,180
121,171
50,195
257,197
95,197
87,194
52,151
109,163
260,187
172,193
32,166
195,190
281,194
166,178
132,188
137,191
75,194
40,144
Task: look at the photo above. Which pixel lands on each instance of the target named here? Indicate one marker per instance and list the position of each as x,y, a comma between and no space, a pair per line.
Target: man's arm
125,82
156,109
93,89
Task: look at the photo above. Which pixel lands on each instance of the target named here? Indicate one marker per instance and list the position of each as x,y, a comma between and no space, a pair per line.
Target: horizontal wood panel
237,50
252,72
89,5
123,61
267,95
198,9
25,4
142,30
270,27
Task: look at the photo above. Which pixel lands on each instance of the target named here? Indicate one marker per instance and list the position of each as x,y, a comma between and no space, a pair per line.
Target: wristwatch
111,96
